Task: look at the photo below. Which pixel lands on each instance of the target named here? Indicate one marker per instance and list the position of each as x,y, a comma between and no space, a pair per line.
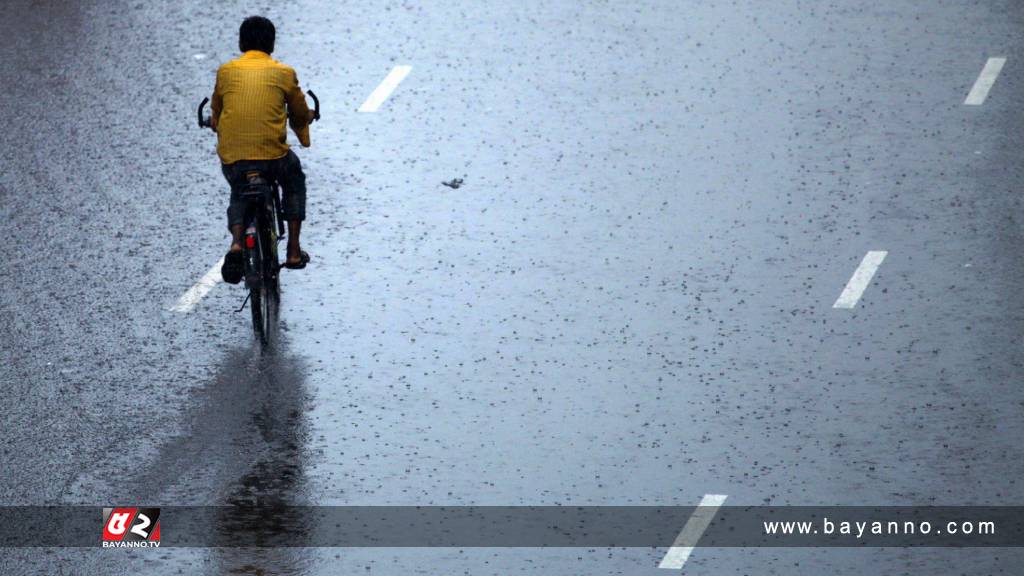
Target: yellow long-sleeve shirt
253,97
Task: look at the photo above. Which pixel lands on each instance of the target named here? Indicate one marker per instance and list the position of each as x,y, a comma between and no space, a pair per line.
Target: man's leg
236,237
233,267
294,249
293,202
236,208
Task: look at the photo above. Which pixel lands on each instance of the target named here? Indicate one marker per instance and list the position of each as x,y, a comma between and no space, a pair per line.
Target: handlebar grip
316,105
199,114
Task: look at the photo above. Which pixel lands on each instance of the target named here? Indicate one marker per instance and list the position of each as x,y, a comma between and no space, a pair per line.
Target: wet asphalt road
629,301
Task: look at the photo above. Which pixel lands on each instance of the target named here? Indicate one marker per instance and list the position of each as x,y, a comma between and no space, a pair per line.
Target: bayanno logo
131,527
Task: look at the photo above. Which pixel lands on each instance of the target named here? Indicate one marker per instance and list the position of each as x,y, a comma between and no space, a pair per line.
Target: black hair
256,33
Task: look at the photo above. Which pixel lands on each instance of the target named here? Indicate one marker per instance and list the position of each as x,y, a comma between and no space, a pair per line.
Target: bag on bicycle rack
256,186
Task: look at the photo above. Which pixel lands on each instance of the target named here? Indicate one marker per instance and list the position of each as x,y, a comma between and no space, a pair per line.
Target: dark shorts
287,170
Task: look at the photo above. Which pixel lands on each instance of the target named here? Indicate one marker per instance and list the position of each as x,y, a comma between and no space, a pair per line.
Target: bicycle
264,230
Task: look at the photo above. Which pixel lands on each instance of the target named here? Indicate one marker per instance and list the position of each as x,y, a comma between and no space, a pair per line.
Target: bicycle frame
264,228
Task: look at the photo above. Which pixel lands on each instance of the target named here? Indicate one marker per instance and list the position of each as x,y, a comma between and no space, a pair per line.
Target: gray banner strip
531,526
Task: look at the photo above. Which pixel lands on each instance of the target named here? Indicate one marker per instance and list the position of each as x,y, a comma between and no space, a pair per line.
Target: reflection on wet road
260,498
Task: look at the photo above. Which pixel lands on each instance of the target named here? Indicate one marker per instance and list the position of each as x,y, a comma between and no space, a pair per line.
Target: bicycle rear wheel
263,302
265,297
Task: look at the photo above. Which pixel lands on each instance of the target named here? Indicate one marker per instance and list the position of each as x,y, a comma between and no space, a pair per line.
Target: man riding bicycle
253,97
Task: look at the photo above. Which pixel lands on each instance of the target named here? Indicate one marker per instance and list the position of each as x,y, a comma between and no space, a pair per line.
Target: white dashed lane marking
194,294
979,92
387,86
692,531
860,279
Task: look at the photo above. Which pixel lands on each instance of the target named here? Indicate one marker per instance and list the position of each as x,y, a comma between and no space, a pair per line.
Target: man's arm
216,104
299,115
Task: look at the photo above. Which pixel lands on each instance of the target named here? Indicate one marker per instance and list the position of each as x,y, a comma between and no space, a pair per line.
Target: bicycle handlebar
316,105
205,122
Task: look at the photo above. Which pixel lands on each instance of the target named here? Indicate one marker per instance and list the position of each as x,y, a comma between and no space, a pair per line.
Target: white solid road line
694,529
194,294
860,279
387,86
985,81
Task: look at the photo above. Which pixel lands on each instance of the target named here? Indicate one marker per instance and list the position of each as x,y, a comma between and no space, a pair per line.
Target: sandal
303,260
233,268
